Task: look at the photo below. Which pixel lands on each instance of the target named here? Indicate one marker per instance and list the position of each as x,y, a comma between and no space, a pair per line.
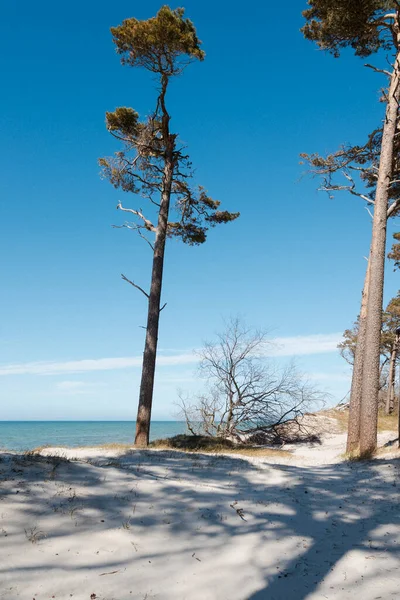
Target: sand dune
116,525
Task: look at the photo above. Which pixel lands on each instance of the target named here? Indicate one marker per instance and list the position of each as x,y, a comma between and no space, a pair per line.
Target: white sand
168,525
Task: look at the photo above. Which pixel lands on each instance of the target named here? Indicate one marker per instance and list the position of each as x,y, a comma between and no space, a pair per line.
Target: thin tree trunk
353,432
398,419
153,317
391,380
370,384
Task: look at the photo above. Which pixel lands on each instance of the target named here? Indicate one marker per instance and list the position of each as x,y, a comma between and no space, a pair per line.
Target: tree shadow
211,526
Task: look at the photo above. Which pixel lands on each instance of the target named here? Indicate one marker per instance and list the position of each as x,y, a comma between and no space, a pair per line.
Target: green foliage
196,211
394,254
359,24
390,322
162,44
123,121
139,169
347,346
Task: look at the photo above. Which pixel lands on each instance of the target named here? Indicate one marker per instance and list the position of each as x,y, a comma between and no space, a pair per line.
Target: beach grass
205,444
385,422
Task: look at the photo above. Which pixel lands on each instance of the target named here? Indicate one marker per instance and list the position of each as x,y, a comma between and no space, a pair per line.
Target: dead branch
137,228
147,224
135,285
378,70
393,207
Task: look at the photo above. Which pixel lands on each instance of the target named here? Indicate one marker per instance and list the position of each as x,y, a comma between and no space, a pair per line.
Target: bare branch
245,393
135,285
345,188
378,70
145,238
148,224
393,207
369,212
137,228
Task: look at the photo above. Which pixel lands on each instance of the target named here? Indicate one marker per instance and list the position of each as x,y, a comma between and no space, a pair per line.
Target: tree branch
369,212
378,70
137,228
148,224
393,207
346,188
135,285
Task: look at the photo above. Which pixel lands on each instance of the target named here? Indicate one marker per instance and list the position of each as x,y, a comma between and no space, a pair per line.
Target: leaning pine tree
367,26
153,165
353,169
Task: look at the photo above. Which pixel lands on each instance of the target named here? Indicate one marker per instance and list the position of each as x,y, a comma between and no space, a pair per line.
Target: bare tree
245,393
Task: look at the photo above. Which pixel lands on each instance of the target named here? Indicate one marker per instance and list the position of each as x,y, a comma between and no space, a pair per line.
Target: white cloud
281,346
304,344
87,365
330,377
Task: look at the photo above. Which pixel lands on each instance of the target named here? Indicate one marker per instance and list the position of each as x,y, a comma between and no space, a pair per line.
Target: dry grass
187,443
341,417
109,446
114,446
203,444
261,452
356,457
393,451
35,451
385,422
34,535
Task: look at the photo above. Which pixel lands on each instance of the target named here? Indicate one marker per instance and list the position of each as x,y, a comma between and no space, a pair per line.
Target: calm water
25,435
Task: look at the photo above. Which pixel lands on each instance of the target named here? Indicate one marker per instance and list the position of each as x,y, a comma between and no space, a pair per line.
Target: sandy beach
117,524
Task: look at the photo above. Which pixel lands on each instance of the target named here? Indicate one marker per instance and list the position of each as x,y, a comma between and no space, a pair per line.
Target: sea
26,435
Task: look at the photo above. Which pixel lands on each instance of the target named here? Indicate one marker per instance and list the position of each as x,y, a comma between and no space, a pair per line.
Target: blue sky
70,335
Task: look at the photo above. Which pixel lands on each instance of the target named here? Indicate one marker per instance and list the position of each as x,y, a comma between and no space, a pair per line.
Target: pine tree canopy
364,25
138,169
163,44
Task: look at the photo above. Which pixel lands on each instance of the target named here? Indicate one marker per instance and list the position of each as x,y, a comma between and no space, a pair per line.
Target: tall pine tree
153,165
367,27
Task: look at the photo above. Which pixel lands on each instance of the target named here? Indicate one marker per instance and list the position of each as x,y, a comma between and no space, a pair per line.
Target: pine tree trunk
153,316
371,362
398,419
353,432
391,381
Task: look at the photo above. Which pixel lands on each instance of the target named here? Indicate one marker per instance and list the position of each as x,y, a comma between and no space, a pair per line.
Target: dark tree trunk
153,316
353,432
371,362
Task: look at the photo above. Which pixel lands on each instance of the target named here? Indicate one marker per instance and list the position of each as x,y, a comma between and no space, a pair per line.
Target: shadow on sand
210,527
